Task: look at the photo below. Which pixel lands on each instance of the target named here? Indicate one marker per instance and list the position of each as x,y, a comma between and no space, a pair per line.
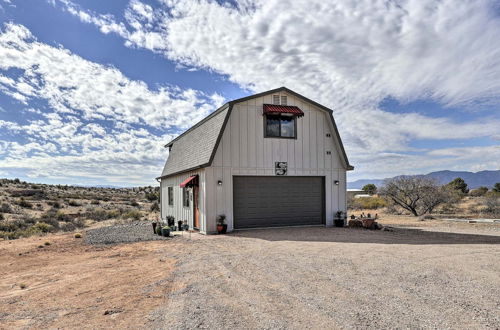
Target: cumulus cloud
71,84
349,55
99,124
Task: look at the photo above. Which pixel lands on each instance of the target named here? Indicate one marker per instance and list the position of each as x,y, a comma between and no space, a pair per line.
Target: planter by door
338,222
222,229
165,232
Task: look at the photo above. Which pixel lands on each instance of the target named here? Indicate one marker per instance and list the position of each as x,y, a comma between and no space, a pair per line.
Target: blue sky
91,90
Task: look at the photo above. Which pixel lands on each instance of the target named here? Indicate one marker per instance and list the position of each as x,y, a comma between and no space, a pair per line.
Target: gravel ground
133,232
323,278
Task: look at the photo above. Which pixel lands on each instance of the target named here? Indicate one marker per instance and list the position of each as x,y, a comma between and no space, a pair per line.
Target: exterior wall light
219,183
337,182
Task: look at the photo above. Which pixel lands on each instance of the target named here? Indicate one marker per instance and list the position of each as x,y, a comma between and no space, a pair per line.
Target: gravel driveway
323,278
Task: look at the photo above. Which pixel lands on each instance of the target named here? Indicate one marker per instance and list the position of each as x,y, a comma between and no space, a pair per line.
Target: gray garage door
277,201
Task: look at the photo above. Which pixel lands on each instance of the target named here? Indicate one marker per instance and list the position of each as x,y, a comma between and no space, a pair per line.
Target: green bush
134,204
10,235
6,208
481,191
155,207
25,204
41,227
55,204
153,196
134,214
74,203
69,226
367,203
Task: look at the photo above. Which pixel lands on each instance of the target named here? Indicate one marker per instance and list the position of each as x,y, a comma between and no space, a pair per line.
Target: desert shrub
55,204
152,196
97,215
6,208
492,204
10,234
52,222
95,202
134,214
25,204
370,203
36,193
41,227
155,207
481,191
134,204
8,227
74,203
2,217
69,226
101,214
78,235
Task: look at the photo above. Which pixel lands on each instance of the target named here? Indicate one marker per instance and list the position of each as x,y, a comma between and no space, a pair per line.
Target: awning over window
270,109
189,182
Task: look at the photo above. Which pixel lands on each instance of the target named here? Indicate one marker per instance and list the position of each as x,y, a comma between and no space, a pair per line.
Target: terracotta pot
221,229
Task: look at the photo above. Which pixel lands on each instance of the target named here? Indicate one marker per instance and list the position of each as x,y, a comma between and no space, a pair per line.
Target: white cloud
72,84
349,55
99,121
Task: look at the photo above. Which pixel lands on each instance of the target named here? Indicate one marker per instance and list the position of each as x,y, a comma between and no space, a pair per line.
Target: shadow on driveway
351,235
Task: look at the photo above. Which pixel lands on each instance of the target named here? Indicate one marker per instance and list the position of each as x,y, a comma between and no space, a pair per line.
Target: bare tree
419,195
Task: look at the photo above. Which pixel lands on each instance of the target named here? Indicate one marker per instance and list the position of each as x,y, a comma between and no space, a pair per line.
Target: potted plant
221,224
170,221
339,219
165,231
158,229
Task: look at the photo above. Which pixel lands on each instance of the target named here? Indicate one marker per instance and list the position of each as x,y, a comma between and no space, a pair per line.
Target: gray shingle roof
194,148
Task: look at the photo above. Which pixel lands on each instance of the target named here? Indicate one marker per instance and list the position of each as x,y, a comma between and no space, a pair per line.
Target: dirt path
72,285
324,278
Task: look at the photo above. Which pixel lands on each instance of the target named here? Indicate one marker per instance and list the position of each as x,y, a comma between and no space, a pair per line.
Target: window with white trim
171,196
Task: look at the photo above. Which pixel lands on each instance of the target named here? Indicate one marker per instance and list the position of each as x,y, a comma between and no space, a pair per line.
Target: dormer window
281,121
283,100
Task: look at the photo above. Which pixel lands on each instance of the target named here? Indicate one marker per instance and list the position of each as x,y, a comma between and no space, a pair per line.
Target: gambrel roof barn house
268,160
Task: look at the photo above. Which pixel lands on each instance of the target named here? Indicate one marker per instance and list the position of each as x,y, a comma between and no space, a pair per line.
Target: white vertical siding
243,150
179,211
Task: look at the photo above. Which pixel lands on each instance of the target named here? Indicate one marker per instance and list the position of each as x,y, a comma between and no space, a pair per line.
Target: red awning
189,182
276,109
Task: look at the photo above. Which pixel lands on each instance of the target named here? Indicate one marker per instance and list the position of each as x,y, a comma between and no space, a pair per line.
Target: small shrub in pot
165,231
221,224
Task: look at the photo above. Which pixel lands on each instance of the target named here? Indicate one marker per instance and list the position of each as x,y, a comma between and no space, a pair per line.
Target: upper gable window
279,100
276,99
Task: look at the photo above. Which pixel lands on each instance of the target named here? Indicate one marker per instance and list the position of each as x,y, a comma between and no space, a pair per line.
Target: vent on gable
328,135
328,152
283,100
276,99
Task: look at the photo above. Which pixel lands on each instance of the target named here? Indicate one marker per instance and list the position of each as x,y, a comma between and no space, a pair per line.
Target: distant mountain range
473,180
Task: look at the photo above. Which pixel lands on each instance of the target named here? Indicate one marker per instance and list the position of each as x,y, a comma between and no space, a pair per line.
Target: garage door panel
277,201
